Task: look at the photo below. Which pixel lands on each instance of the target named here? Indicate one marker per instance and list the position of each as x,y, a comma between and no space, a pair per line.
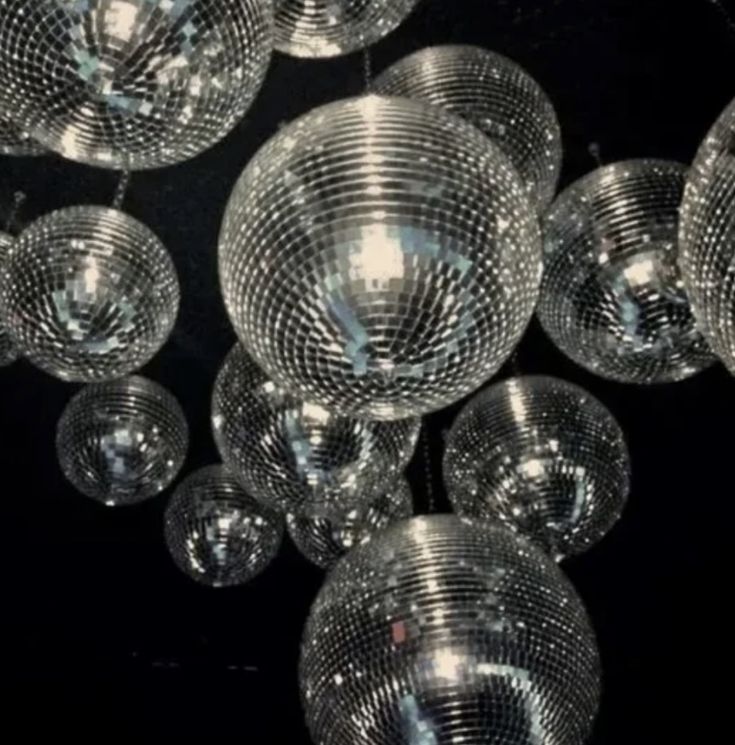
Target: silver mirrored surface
441,631
88,293
14,141
543,457
327,28
613,298
122,442
8,351
216,533
297,457
323,541
380,257
494,93
708,237
132,83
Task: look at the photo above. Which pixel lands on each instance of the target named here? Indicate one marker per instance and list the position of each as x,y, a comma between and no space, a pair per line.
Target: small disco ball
13,141
708,237
542,456
122,442
613,298
442,630
132,84
298,457
8,351
89,293
497,96
380,257
217,533
323,541
328,28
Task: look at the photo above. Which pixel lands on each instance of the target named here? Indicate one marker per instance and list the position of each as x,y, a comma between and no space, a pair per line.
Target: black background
101,635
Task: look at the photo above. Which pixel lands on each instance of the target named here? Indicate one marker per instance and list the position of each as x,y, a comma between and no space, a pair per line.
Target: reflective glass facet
380,257
542,456
441,631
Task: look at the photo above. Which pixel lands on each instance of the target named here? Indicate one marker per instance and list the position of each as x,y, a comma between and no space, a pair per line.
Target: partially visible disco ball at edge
299,457
496,95
216,533
708,237
380,257
132,85
543,457
328,28
442,630
8,351
613,298
323,541
13,141
122,442
88,293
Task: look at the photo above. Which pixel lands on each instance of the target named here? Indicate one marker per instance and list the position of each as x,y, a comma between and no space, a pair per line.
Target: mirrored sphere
613,299
441,631
122,442
380,257
8,350
542,456
132,84
217,533
323,541
496,95
13,141
327,28
89,293
708,237
298,457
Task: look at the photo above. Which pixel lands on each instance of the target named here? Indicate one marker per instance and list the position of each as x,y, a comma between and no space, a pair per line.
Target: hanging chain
367,69
121,190
428,471
19,199
595,152
725,13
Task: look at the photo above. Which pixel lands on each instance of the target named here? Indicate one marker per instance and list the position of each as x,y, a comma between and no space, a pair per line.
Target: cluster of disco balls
380,259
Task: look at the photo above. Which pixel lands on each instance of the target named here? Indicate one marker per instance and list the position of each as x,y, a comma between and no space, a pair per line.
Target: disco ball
380,257
323,541
13,141
216,533
708,237
496,95
89,293
132,84
8,351
122,442
542,456
299,457
441,630
612,298
328,28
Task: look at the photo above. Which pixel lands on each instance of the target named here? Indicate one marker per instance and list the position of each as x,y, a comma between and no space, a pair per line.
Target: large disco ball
380,257
442,631
613,298
328,28
708,237
14,141
122,442
8,350
217,533
324,540
89,293
542,456
496,95
299,457
132,83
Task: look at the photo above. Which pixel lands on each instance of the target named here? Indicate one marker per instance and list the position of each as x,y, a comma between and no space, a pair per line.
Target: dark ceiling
102,636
